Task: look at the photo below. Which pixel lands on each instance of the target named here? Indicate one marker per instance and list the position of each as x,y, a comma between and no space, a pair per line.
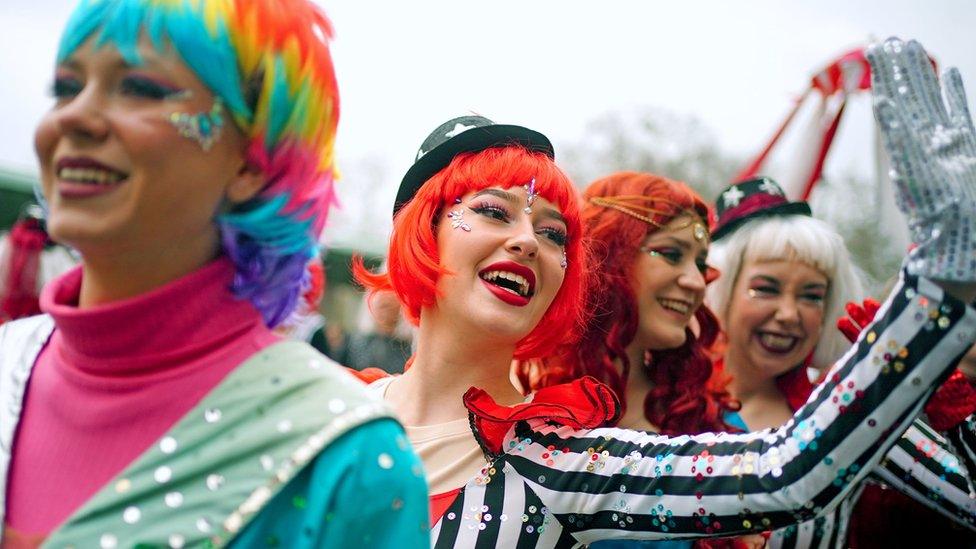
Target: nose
523,242
82,117
691,278
787,311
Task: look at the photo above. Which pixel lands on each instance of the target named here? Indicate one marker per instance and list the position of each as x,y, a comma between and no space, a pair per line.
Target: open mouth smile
676,305
509,281
80,177
777,343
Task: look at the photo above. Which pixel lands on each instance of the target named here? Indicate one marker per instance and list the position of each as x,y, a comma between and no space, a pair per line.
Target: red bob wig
413,266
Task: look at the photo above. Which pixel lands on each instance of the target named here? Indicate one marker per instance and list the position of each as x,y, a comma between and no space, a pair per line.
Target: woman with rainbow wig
188,158
488,258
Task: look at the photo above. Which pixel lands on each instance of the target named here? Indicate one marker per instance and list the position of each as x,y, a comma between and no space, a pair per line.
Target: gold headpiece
634,206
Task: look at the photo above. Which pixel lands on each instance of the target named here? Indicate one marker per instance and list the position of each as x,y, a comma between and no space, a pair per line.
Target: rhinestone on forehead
530,195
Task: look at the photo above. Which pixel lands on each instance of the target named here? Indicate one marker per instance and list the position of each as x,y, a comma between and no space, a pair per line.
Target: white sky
405,67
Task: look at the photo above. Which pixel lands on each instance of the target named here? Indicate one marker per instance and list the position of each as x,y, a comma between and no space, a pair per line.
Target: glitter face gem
457,220
530,196
564,262
203,127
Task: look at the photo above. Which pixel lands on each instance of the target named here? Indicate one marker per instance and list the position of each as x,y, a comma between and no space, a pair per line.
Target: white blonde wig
790,237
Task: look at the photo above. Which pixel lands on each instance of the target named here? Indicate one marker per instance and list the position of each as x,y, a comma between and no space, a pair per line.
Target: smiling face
669,284
775,315
505,264
117,174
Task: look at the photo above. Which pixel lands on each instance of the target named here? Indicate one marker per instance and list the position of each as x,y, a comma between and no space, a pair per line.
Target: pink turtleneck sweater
114,378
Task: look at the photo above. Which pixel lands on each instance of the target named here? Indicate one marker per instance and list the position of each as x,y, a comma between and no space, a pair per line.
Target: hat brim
472,140
787,208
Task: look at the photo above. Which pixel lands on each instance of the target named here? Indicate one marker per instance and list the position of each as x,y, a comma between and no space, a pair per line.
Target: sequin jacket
553,482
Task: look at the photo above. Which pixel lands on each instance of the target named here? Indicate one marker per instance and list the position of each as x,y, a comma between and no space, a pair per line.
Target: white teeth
677,306
777,342
89,175
518,279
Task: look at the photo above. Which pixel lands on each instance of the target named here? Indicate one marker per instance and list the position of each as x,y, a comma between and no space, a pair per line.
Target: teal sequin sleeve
367,489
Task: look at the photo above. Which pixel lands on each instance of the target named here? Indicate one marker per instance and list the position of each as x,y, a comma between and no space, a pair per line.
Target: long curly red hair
687,397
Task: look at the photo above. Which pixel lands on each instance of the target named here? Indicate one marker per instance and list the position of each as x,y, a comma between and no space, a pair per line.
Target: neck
635,392
445,366
120,275
763,405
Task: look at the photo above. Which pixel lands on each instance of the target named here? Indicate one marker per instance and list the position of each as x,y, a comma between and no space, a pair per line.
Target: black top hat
460,135
749,199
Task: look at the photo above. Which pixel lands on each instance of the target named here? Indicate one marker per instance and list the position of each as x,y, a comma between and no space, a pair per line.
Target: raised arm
609,483
613,483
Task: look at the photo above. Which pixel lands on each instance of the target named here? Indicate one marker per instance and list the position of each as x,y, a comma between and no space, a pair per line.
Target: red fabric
18,292
113,378
953,402
581,404
749,205
885,518
369,375
440,503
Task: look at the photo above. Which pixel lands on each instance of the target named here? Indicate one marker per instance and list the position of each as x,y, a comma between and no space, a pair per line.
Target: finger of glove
960,117
848,328
920,90
871,307
883,60
956,97
903,152
901,73
857,314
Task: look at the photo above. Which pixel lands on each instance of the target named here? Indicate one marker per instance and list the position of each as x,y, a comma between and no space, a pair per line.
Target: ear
246,184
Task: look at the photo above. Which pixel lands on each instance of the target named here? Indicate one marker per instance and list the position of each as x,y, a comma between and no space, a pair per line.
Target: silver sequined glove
933,158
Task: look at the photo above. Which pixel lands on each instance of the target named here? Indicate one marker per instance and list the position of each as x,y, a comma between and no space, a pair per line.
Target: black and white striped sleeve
923,465
615,483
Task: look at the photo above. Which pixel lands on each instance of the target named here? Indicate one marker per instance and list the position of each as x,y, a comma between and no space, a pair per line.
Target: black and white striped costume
555,486
922,465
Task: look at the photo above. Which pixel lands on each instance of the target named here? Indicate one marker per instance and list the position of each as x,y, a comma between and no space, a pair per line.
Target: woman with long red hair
648,240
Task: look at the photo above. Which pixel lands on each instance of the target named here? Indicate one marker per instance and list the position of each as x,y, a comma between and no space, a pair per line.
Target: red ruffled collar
584,403
581,404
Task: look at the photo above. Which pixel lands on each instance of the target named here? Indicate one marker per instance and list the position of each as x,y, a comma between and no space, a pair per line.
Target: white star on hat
458,128
769,187
732,197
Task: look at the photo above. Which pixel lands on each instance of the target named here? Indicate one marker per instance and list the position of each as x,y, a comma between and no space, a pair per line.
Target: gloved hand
858,316
933,158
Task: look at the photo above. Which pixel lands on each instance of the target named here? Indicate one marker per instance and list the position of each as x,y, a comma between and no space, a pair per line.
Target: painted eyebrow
683,244
815,286
507,196
148,58
514,199
766,278
553,214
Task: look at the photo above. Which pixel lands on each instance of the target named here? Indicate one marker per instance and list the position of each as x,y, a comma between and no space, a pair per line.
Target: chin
664,341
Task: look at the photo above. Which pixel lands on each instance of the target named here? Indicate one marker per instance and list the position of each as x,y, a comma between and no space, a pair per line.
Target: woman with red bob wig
488,260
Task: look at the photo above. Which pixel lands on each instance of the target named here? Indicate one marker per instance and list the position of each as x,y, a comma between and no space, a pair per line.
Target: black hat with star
760,197
460,135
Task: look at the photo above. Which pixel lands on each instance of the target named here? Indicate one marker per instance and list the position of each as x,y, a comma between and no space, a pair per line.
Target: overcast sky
405,67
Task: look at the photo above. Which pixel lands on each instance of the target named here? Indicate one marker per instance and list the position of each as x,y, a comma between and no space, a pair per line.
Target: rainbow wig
269,61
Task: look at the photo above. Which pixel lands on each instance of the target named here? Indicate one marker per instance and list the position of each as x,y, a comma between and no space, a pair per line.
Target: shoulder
21,340
33,326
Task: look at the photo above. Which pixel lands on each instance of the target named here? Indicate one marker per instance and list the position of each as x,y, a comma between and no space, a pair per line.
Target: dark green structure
16,191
